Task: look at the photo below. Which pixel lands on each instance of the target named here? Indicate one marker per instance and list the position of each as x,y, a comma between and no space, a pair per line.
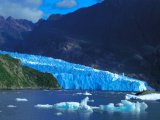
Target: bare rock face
12,32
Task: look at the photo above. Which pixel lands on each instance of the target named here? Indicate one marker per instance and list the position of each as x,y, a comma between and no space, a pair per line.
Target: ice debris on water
21,100
59,113
85,93
152,96
83,107
70,106
11,106
125,106
44,106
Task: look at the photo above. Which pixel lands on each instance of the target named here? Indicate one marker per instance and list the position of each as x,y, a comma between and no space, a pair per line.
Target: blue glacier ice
75,76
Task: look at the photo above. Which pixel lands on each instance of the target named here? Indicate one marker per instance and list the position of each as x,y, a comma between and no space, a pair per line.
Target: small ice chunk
125,106
45,106
86,94
153,96
21,100
67,106
11,106
84,107
59,114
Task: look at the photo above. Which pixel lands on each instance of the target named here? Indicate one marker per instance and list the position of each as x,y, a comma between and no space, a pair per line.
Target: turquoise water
27,111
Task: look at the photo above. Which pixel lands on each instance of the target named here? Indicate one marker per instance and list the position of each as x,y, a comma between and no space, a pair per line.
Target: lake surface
27,111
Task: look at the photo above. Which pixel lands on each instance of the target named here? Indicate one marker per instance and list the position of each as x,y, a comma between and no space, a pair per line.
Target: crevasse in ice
75,76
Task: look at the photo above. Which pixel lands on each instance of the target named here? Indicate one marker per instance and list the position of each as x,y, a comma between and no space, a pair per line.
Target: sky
35,9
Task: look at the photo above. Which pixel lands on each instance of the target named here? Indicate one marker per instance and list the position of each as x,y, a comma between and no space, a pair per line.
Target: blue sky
51,6
35,9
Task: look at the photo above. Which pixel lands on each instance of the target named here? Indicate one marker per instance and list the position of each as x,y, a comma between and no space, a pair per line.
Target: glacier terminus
75,76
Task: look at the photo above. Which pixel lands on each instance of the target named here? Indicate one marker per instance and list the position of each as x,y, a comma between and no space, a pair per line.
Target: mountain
12,32
15,76
117,35
75,76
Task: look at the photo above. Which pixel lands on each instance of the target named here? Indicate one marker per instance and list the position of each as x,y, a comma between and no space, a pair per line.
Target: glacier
75,76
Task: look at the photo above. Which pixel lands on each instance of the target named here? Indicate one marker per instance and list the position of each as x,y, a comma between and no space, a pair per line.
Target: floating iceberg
153,96
21,100
70,106
74,76
125,106
83,107
46,106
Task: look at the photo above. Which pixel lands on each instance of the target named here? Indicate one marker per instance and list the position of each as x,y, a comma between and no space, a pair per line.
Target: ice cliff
75,76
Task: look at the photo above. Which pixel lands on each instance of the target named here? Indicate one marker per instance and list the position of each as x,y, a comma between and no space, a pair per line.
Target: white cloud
26,9
34,2
66,3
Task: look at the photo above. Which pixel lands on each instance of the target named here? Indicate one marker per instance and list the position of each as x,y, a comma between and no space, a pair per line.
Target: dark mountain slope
119,35
12,32
134,22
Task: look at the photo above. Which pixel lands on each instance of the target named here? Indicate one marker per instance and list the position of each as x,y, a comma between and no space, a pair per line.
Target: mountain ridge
116,35
12,32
